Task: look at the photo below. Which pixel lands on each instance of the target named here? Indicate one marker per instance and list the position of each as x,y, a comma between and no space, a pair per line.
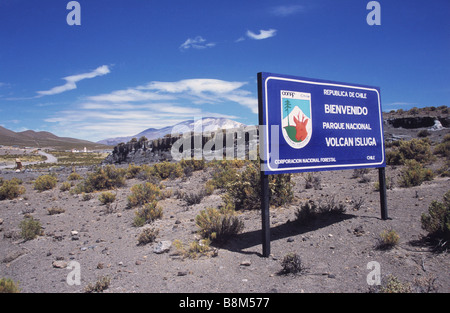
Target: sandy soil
335,250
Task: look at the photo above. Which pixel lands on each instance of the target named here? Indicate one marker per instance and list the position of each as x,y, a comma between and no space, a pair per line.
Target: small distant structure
85,150
18,165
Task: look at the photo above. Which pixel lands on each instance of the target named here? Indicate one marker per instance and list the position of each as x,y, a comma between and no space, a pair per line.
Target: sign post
317,125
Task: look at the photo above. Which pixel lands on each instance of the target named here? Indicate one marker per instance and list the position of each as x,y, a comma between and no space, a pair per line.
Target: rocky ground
335,250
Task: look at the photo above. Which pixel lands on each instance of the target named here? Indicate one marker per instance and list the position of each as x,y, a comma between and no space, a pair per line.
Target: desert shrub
437,220
312,182
209,187
147,214
148,235
16,180
195,249
103,178
133,171
65,186
310,210
74,176
10,189
414,174
389,184
7,285
443,148
244,192
281,191
423,133
224,174
414,149
292,264
307,212
168,170
142,194
394,285
55,210
45,182
107,197
101,284
218,224
30,228
388,239
86,196
194,198
195,165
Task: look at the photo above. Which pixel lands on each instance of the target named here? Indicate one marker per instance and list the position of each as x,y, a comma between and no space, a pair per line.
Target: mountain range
205,124
43,139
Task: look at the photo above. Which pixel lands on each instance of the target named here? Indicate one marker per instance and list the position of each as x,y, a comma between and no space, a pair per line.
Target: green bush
148,235
104,178
74,176
244,191
133,171
443,148
388,239
196,165
7,285
107,197
10,189
45,182
394,285
310,210
168,170
292,264
142,194
414,149
30,228
437,220
100,285
147,214
224,173
65,186
414,174
195,248
218,224
306,213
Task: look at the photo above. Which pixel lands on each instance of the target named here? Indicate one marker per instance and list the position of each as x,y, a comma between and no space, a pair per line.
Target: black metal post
265,216
383,199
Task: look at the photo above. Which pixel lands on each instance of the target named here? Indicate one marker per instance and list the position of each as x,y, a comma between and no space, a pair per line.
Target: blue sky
136,64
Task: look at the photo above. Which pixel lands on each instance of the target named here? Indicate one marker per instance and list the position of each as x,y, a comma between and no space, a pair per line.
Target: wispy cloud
286,10
155,104
263,34
196,43
71,81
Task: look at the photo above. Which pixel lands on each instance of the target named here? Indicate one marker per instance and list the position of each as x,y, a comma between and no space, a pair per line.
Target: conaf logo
296,118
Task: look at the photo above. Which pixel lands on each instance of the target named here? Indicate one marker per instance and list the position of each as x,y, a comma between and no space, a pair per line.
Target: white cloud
201,91
286,10
197,43
155,104
263,34
72,80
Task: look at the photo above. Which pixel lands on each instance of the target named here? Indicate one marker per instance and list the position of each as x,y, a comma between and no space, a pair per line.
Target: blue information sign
317,125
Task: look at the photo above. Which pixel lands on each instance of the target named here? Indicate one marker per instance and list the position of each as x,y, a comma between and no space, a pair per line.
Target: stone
59,264
162,246
246,263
